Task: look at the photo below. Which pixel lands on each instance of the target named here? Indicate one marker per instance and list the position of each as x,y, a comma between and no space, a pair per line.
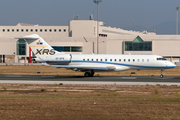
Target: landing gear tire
87,74
161,76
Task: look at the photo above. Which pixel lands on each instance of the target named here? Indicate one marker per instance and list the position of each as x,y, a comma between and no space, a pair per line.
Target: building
80,37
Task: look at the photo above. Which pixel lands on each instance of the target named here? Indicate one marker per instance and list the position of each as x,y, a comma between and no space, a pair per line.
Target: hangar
80,37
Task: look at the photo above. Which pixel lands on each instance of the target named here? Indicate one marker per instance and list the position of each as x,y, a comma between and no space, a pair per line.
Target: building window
36,30
68,48
31,30
21,47
59,30
22,30
45,30
40,30
138,45
17,30
50,30
12,30
64,30
26,30
3,30
54,30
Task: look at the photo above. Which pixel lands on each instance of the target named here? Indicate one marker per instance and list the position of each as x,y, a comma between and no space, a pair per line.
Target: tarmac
96,80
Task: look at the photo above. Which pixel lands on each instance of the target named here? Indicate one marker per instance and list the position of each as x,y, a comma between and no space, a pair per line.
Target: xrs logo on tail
45,51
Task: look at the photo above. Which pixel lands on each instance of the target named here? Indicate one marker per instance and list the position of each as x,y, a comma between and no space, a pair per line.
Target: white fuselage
113,62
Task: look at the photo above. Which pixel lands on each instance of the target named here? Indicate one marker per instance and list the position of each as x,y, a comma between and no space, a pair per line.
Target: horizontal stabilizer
29,37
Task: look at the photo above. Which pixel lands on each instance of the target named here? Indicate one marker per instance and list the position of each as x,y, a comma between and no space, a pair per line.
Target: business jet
91,63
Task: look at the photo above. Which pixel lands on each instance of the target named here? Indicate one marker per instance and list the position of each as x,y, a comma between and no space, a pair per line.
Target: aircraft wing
85,67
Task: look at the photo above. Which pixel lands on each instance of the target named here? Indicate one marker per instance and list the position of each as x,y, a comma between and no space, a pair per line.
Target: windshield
161,59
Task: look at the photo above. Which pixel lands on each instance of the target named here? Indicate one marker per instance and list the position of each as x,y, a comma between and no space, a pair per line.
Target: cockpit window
161,59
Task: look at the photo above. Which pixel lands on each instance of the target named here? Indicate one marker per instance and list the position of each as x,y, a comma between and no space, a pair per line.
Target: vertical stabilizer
38,45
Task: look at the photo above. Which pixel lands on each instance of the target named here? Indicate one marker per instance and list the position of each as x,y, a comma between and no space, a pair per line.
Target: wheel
87,74
161,76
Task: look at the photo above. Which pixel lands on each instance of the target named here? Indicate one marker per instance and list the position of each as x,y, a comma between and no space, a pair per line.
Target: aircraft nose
171,65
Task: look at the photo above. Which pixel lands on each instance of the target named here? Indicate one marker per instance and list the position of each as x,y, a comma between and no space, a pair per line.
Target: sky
137,15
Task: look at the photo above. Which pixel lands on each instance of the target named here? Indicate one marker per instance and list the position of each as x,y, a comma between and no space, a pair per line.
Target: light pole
177,8
97,2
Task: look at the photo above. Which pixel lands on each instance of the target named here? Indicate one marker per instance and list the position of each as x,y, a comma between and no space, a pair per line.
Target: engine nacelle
36,60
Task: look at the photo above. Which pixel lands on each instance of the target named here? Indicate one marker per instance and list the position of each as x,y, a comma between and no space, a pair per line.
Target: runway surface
96,80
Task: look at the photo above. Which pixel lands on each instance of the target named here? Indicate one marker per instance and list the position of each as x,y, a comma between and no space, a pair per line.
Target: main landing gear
89,74
161,76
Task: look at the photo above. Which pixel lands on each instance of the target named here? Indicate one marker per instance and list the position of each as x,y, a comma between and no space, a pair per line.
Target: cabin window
147,60
124,60
115,60
133,60
129,60
96,59
88,60
119,60
101,59
138,60
106,60
110,59
142,60
83,59
92,60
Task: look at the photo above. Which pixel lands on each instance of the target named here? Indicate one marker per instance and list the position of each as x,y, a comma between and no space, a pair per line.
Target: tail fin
38,45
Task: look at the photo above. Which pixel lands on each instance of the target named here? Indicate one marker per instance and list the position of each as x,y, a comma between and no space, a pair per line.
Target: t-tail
38,45
44,52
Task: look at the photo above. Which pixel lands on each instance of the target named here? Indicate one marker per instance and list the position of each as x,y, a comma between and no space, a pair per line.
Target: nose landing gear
161,76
